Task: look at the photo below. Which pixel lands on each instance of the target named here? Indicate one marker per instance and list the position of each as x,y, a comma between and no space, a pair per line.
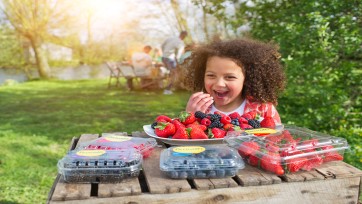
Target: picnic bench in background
126,70
332,182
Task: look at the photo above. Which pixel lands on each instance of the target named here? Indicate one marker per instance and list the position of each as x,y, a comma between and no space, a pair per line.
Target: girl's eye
210,75
230,77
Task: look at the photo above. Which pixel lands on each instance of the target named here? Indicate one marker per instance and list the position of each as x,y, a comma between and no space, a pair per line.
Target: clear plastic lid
206,161
118,142
82,165
290,150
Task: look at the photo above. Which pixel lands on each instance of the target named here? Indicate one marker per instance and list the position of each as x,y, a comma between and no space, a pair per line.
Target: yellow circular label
261,131
117,138
189,149
91,153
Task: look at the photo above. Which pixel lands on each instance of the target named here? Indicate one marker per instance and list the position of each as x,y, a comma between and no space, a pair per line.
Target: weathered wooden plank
321,191
158,182
127,187
227,182
73,191
303,176
140,134
338,169
202,184
252,176
70,191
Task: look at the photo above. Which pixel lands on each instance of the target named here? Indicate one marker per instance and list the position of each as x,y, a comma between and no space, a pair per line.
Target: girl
239,75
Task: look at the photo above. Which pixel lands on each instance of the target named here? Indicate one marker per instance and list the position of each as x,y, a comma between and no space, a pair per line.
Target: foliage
321,45
10,48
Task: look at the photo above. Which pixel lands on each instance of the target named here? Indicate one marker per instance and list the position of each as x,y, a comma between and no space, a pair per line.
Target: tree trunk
40,58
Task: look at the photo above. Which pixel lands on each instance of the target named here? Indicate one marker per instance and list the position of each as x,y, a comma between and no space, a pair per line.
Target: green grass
39,118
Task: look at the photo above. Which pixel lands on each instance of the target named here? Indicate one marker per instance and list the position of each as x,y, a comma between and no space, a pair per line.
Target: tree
35,20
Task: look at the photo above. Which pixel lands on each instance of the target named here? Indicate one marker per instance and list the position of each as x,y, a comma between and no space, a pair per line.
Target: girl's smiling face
224,81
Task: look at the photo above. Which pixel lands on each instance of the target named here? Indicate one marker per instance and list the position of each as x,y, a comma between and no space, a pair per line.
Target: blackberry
254,123
199,114
235,122
214,117
216,124
153,125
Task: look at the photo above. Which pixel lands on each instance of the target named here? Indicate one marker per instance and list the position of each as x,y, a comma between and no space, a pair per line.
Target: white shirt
239,110
171,46
142,63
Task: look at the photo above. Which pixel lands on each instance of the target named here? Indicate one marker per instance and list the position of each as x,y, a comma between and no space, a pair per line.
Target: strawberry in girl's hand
163,118
217,133
165,129
251,115
181,133
187,117
197,133
268,122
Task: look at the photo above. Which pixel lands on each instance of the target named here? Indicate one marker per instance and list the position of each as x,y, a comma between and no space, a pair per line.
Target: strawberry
162,118
243,121
245,126
253,160
268,122
197,133
247,148
272,147
202,127
165,129
234,115
217,133
332,155
313,162
187,117
228,127
181,133
219,113
177,124
251,115
206,122
225,119
296,164
271,162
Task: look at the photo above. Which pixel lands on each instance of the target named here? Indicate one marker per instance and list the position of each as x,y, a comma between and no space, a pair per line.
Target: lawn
39,118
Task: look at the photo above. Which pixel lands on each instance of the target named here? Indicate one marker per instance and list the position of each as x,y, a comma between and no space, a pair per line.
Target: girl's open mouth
221,94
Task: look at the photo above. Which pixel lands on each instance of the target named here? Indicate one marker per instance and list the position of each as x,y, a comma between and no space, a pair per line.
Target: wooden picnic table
332,182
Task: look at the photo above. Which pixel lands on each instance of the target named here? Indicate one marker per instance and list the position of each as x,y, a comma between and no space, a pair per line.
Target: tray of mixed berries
110,141
200,128
291,150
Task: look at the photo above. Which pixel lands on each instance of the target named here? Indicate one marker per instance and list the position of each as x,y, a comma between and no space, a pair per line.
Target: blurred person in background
172,49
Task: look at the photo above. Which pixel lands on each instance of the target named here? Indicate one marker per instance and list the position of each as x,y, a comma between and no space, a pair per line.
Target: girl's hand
199,101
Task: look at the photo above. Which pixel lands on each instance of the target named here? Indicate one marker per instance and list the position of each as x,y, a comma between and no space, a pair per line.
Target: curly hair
264,75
